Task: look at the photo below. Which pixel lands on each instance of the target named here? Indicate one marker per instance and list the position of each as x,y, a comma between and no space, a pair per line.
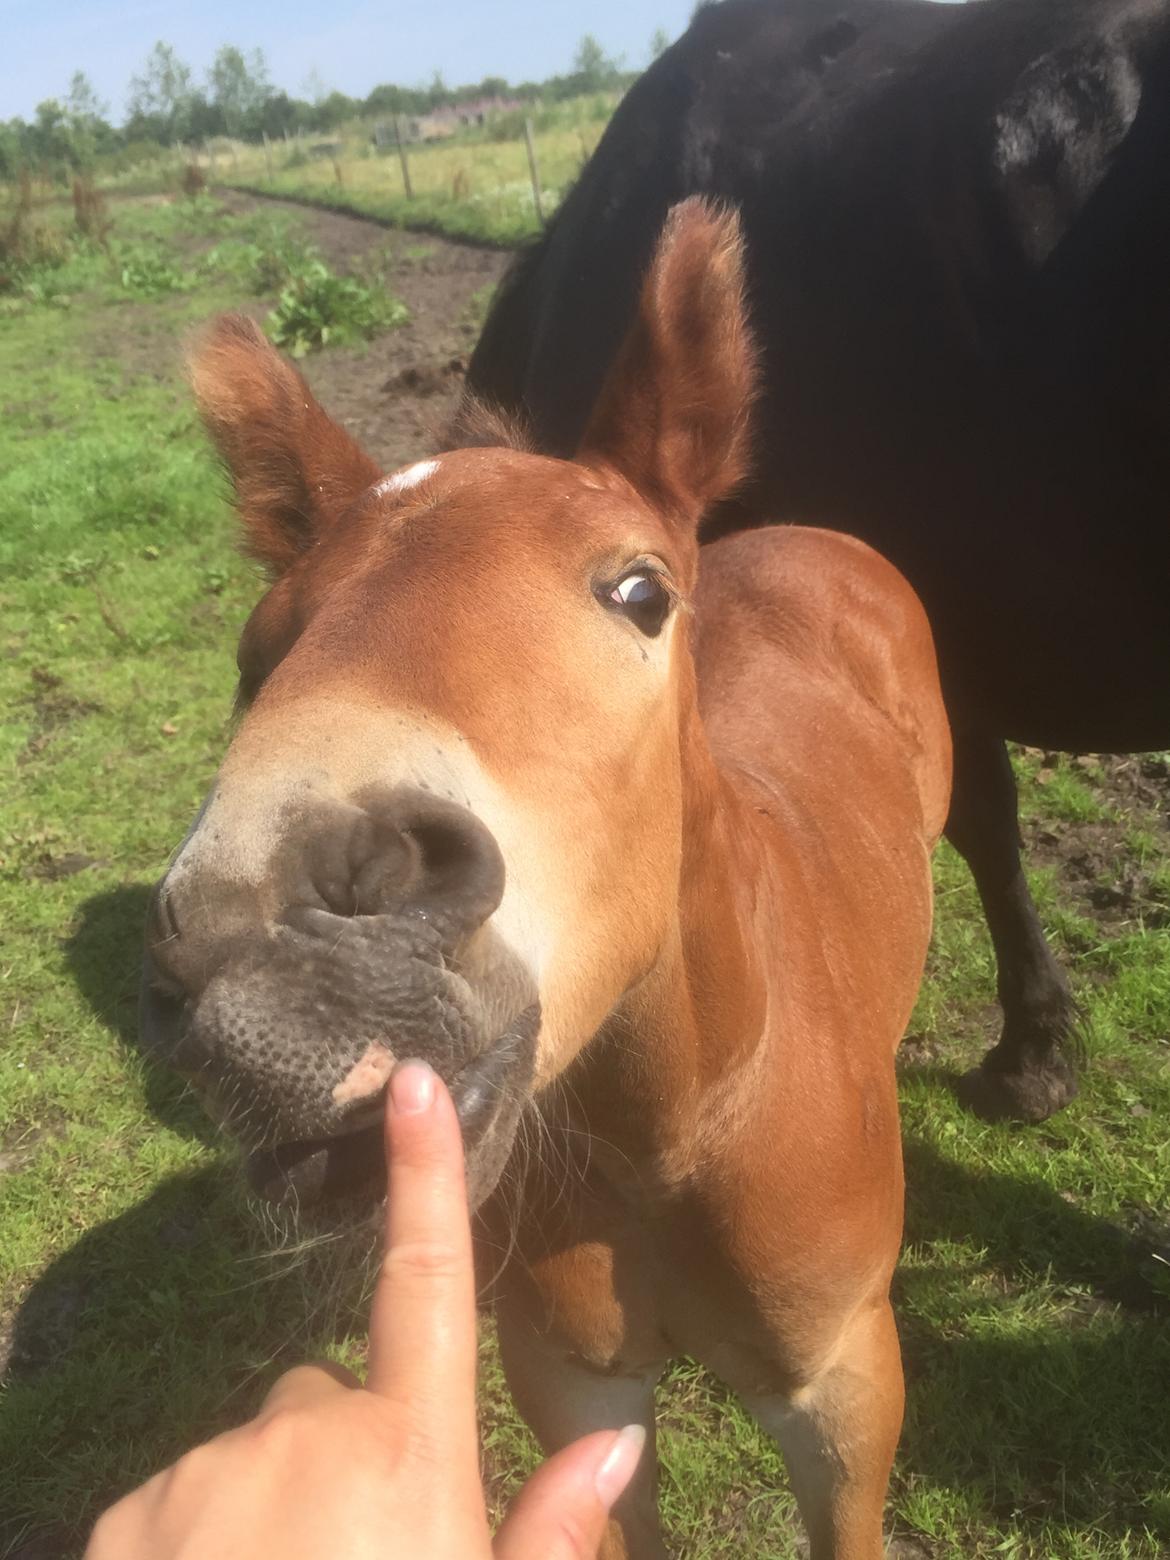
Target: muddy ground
396,392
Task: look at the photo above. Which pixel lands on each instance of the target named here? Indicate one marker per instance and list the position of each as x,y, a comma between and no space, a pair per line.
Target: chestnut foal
641,848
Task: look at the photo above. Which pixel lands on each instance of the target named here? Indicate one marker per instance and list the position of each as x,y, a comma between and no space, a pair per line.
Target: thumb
561,1512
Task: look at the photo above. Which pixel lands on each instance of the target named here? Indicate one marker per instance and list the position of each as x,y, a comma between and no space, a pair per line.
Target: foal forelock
481,424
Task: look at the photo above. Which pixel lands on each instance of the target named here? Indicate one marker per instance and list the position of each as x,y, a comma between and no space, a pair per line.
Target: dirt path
393,393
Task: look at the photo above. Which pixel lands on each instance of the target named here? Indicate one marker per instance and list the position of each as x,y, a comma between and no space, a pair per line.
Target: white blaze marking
411,477
366,1076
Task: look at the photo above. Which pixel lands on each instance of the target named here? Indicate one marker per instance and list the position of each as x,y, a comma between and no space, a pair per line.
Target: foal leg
838,1435
1028,1075
563,1398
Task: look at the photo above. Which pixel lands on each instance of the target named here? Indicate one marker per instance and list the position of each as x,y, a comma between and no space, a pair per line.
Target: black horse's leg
1029,1075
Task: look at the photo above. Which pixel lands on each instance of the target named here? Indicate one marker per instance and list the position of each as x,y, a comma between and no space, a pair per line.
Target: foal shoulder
831,618
813,593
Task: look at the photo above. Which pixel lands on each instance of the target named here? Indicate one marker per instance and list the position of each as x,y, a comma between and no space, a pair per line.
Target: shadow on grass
154,1331
1036,1374
162,1326
1024,1226
105,958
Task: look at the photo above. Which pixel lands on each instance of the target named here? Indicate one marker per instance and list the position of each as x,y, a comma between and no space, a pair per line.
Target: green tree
591,64
333,110
239,87
49,137
438,92
205,117
593,69
161,99
14,137
86,117
281,114
659,43
83,103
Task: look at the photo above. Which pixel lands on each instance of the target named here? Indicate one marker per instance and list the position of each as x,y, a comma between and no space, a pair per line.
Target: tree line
166,106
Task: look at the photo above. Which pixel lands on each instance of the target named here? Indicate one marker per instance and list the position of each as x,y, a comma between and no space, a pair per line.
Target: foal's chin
340,1178
295,1069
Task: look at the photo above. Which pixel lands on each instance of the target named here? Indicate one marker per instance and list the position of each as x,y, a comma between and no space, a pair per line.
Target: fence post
402,158
533,170
267,152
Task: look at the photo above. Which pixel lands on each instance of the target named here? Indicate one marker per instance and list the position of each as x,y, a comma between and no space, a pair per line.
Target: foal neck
685,1038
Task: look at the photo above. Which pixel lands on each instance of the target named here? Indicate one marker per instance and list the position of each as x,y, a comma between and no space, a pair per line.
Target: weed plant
316,307
193,180
90,215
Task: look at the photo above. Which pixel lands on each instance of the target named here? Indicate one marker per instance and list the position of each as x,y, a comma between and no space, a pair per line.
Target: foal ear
294,470
673,414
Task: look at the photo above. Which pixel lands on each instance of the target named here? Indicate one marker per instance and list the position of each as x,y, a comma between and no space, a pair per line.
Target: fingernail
412,1088
620,1462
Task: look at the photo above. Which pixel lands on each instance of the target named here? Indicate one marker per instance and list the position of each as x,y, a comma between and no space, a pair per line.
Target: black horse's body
958,224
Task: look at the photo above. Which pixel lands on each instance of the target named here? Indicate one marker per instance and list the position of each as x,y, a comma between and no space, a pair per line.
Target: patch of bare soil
53,707
1100,876
146,339
395,393
1095,862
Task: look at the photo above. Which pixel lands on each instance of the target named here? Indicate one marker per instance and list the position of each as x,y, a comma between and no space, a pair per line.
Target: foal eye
643,599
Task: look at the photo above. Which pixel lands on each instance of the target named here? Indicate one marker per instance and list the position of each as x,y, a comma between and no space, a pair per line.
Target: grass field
469,187
141,1303
475,190
476,185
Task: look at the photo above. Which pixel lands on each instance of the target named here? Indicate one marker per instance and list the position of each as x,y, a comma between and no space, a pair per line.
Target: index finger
422,1325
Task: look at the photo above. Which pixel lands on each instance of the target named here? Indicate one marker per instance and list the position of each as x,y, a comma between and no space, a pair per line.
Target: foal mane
483,425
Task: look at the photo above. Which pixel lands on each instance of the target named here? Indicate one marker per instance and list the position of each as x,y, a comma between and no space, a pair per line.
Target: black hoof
1030,1094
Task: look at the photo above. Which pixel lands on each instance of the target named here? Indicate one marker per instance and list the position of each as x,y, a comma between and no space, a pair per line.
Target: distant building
445,121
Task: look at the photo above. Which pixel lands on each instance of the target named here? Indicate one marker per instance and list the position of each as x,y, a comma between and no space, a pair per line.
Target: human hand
331,1468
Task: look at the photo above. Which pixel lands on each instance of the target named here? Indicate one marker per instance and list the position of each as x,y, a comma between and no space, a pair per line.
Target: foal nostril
410,851
367,870
460,863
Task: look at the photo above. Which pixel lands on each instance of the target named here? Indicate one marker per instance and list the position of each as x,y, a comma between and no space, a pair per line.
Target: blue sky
353,44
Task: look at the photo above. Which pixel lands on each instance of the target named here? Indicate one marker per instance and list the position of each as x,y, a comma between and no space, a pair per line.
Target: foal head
449,823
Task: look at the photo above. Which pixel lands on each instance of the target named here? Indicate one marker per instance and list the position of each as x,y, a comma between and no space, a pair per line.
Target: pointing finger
422,1327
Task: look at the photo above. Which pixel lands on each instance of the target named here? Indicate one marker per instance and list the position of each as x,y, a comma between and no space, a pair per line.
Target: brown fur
293,468
683,450
717,847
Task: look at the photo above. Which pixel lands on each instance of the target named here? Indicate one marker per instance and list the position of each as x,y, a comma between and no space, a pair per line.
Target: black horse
958,223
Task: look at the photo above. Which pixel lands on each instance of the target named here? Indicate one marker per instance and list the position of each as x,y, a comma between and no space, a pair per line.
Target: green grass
144,1306
468,187
474,186
164,247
